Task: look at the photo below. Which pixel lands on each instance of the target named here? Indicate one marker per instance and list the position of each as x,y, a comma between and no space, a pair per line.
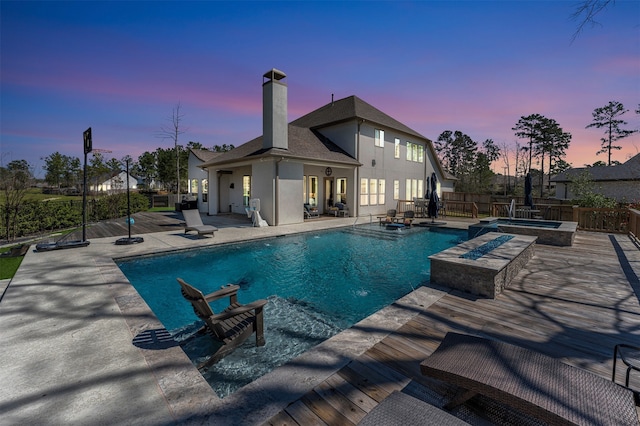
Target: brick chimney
275,132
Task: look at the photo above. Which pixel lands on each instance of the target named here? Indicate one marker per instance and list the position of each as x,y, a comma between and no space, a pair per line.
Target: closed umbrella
432,208
528,197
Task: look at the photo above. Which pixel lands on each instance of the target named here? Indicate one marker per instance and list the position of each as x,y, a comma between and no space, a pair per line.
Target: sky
121,67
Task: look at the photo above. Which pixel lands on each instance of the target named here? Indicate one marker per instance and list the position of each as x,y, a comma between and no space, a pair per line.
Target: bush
47,216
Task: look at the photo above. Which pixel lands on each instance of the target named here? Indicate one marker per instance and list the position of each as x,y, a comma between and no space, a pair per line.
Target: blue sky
476,66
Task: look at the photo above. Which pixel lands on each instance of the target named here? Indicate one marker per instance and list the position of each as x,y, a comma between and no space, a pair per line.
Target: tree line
543,142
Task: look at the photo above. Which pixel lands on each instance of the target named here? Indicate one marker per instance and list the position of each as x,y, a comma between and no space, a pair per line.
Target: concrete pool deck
68,318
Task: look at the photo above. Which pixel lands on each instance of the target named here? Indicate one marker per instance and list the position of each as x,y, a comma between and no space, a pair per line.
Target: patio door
328,193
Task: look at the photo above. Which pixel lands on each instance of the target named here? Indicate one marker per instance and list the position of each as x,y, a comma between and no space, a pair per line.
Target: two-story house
346,151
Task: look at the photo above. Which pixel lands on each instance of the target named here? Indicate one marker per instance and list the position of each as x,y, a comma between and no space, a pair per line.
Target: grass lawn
9,265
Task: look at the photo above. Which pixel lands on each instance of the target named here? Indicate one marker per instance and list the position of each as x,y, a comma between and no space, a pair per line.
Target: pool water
317,284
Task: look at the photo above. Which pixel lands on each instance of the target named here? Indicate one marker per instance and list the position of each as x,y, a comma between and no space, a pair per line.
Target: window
313,190
373,192
413,189
379,138
396,189
396,148
341,192
415,152
246,190
364,192
193,186
205,190
381,189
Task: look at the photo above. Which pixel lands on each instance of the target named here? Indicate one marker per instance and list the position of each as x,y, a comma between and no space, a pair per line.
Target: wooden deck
571,303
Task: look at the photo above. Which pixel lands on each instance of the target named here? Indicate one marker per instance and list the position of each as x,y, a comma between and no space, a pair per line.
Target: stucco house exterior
346,151
198,183
621,182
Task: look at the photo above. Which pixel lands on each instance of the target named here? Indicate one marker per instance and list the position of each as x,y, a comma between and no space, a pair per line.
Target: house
113,182
198,178
621,182
346,151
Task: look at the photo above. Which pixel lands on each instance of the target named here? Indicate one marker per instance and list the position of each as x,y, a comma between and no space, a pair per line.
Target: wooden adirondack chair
230,327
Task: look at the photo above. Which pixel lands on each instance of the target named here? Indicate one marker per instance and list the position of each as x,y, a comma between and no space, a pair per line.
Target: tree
529,128
552,143
608,117
461,157
146,168
62,169
586,12
173,132
583,189
15,179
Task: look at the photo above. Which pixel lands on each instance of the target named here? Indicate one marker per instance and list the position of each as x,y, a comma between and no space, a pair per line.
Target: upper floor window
415,152
396,148
379,138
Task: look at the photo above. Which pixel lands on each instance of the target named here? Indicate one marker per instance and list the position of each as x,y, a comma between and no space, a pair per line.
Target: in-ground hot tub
553,233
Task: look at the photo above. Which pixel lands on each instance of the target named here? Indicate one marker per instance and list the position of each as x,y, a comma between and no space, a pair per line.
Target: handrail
602,219
634,225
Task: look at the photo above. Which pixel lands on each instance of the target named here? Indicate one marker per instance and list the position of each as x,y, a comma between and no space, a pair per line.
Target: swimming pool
317,285
548,232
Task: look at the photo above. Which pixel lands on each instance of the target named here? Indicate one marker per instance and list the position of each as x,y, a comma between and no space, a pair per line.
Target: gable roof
630,170
347,109
204,154
304,144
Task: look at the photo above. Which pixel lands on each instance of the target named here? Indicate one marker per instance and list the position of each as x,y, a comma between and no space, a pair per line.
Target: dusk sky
120,67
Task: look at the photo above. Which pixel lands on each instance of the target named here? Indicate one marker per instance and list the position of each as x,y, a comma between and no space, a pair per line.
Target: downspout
276,204
357,182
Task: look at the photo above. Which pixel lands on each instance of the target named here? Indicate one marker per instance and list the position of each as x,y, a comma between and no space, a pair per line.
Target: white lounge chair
193,222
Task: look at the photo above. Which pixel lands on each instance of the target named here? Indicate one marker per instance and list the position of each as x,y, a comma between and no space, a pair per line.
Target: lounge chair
389,218
230,327
343,210
16,251
407,218
400,409
535,384
310,212
194,223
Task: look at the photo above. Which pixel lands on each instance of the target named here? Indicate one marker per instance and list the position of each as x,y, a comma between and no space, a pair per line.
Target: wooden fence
634,225
602,220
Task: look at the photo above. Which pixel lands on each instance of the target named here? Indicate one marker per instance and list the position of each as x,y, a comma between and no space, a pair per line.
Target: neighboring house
621,182
346,151
114,182
198,183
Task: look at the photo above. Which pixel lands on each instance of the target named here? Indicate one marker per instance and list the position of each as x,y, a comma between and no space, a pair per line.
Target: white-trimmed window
381,191
396,189
341,190
413,189
246,190
364,192
409,150
193,186
205,190
379,138
420,154
396,148
373,192
415,152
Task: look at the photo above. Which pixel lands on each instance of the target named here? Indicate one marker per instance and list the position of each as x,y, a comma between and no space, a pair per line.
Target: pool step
379,232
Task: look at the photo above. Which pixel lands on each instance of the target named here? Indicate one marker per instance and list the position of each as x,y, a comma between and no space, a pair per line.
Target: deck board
572,303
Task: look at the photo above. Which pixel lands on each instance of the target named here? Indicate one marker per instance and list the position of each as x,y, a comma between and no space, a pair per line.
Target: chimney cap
274,74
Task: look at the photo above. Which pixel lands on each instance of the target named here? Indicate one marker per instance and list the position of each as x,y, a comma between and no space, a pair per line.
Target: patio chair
230,327
193,222
407,218
537,385
630,356
310,212
389,218
343,210
400,409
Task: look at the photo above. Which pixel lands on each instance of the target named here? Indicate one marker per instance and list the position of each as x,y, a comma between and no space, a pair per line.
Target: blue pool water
317,285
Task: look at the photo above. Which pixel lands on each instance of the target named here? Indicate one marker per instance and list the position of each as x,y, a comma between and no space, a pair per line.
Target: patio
68,319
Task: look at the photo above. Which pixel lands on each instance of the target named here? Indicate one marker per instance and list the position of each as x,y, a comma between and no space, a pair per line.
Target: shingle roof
626,171
205,154
304,144
348,109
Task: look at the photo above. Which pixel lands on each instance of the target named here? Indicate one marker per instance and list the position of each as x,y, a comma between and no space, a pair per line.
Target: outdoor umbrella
432,208
528,197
